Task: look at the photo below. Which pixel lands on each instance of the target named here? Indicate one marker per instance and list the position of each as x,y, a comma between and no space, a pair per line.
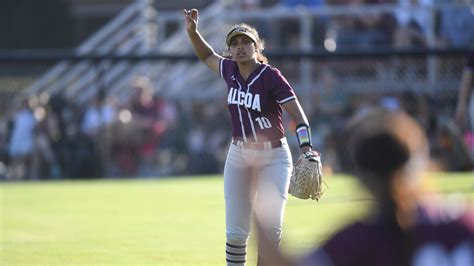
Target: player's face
242,48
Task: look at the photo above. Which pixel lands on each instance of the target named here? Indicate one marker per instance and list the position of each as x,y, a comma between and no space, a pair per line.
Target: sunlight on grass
176,221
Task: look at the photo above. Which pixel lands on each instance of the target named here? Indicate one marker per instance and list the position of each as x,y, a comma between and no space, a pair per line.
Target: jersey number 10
263,122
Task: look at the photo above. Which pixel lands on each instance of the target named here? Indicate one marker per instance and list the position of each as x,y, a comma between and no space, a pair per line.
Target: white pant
256,180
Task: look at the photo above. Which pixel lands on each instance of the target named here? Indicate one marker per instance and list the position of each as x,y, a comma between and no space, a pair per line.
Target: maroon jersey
255,103
433,241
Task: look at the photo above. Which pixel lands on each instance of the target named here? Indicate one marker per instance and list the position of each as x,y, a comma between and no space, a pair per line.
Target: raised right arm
202,49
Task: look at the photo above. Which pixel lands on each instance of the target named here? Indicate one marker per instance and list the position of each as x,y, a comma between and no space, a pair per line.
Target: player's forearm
202,49
295,111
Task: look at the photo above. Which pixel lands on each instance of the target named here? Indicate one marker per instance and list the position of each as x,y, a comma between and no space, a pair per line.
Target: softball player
259,164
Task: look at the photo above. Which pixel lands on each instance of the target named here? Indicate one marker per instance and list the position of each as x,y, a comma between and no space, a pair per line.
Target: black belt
267,145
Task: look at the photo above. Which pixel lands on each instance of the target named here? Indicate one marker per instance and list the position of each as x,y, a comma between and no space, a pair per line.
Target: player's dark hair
380,154
260,44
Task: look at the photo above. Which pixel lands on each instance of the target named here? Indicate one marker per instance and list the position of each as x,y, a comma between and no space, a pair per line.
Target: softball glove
307,177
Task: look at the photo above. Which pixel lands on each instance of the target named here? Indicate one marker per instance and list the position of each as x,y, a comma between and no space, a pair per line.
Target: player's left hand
306,149
307,177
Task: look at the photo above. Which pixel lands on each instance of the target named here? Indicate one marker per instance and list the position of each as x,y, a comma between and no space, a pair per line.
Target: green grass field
176,221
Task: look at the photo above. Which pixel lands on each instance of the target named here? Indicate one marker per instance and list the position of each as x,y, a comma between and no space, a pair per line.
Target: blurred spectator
389,102
100,112
137,139
327,115
449,148
302,3
135,150
75,150
98,116
362,31
417,106
197,150
249,4
455,29
290,27
464,113
44,162
415,20
409,35
92,118
4,140
22,142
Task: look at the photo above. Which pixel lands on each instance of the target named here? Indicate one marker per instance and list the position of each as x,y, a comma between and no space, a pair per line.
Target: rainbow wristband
303,134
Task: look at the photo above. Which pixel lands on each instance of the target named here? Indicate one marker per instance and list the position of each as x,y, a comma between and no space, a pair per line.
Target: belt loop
267,145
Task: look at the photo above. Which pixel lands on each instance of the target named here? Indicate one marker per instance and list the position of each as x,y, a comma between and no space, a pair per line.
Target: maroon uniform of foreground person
390,155
407,225
437,239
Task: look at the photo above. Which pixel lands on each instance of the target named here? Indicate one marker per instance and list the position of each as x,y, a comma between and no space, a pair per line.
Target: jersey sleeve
226,68
281,89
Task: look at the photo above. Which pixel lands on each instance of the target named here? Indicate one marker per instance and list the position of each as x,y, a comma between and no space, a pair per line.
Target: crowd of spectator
49,138
149,136
411,23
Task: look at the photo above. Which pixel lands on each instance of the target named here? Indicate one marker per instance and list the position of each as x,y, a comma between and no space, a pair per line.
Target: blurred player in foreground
259,164
390,153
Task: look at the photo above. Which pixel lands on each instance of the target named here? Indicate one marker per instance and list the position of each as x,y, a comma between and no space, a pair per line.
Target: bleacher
150,26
